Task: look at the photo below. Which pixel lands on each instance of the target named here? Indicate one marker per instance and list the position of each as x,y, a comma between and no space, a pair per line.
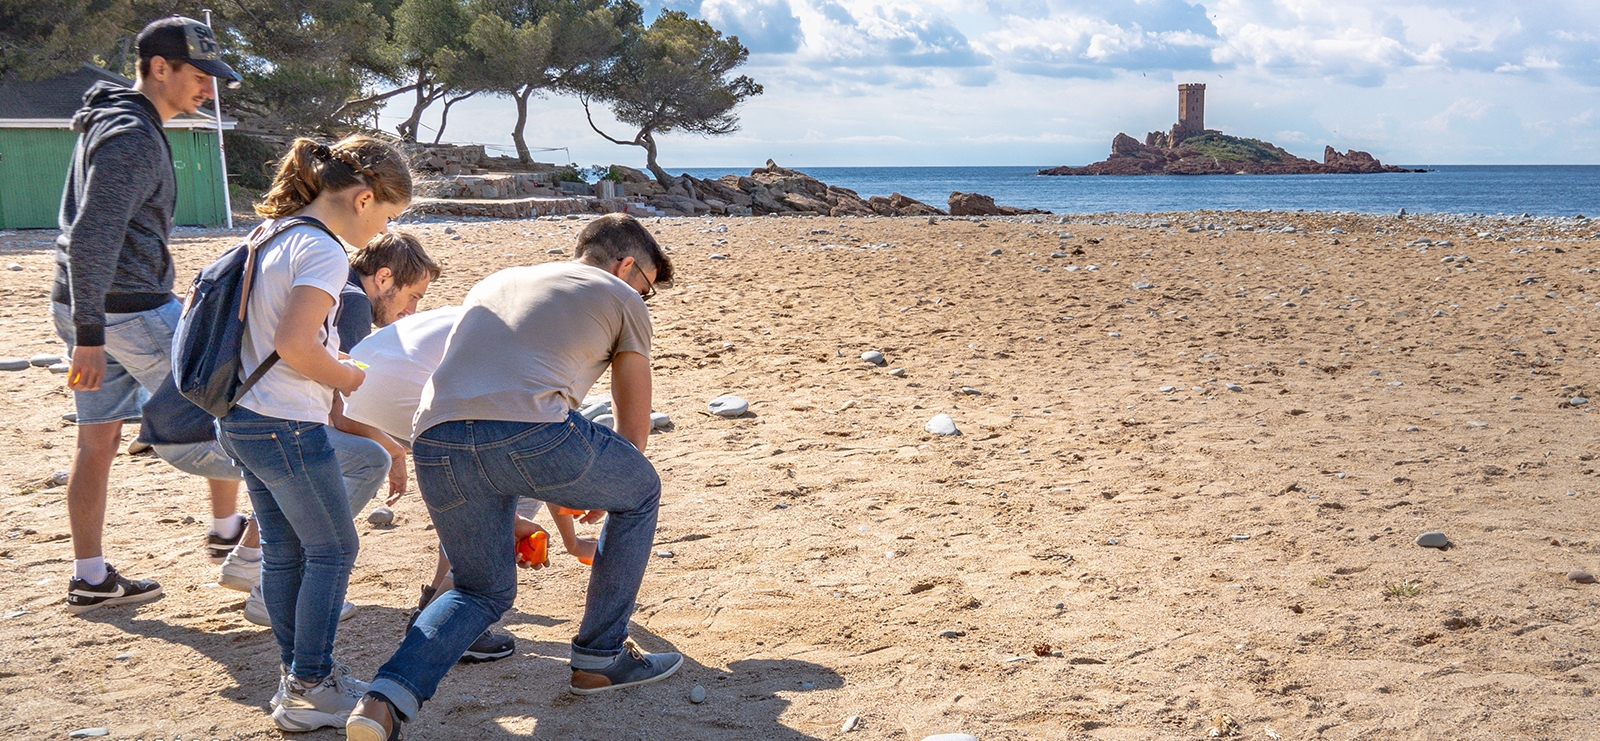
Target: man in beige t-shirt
497,422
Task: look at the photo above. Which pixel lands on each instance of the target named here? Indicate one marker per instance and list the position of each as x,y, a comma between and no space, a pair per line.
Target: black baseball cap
186,40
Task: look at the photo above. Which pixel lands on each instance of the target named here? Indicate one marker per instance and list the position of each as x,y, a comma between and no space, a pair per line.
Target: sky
1050,82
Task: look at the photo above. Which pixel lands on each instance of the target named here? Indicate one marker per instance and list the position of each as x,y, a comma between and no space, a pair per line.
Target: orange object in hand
585,561
567,512
535,549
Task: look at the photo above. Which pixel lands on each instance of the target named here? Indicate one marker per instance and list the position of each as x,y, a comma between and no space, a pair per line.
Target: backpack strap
260,238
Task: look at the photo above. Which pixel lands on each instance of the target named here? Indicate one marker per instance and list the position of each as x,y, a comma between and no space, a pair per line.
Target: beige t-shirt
530,343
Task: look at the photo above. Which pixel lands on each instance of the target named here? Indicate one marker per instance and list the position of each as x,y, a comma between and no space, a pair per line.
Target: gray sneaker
631,668
255,609
309,708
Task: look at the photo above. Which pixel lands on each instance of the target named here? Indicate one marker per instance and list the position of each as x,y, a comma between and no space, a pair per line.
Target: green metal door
195,161
33,172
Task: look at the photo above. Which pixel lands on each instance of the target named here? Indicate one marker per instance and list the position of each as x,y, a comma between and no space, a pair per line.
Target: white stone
606,420
664,554
941,424
873,356
898,373
729,406
697,695
14,364
555,251
715,256
591,411
659,421
13,266
44,360
381,516
60,367
1433,539
850,724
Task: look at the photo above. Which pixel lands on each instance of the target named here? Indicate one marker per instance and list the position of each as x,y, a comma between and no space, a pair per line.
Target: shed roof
50,103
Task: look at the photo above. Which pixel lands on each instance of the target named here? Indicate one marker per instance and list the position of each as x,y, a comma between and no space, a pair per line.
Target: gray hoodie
116,212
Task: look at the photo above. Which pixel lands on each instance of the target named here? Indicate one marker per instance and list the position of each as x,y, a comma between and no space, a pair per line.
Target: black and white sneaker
218,547
489,647
115,590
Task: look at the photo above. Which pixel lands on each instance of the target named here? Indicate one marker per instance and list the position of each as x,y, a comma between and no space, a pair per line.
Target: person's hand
397,478
522,562
356,376
592,516
584,548
88,368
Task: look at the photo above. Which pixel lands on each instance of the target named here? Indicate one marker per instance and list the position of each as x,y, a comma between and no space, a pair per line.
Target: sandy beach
1193,459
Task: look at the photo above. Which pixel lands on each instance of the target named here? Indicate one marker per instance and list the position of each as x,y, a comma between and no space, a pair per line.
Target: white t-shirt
400,358
302,256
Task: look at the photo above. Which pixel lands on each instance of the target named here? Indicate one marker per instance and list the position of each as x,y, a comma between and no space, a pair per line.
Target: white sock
246,553
227,527
92,570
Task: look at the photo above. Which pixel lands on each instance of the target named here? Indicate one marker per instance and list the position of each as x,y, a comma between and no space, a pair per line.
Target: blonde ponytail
311,167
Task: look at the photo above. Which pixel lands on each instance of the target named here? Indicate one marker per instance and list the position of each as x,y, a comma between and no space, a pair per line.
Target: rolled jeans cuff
583,658
400,695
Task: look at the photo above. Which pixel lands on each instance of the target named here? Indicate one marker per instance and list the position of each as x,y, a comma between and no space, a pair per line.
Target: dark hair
399,251
311,167
144,64
615,236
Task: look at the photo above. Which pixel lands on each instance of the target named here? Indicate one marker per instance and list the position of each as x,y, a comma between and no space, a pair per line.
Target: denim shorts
138,359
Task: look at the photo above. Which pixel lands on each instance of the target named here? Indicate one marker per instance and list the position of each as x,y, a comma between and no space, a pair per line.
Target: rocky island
1191,149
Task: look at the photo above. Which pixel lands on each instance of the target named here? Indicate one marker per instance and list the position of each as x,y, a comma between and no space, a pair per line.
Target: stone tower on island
1191,118
1192,108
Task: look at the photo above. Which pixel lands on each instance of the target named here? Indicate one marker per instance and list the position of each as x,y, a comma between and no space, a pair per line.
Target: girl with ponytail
278,431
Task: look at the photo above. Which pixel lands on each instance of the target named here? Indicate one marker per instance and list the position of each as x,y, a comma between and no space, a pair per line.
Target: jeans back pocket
555,465
436,480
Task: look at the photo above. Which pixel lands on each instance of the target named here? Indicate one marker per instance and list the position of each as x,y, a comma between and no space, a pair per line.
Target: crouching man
497,423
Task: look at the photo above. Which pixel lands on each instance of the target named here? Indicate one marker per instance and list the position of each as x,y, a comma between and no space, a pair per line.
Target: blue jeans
471,475
364,463
308,544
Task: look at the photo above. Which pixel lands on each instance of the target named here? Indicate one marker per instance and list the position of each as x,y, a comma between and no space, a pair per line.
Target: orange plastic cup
535,548
564,511
585,561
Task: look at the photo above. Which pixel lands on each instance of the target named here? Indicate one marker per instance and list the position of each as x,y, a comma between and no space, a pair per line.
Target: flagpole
222,149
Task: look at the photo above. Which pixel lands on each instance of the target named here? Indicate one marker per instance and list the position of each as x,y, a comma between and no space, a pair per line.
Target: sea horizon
1536,190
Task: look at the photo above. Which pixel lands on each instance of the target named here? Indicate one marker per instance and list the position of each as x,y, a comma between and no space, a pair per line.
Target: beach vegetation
1235,148
675,76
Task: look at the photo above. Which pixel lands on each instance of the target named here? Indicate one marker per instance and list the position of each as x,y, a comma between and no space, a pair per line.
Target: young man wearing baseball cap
112,300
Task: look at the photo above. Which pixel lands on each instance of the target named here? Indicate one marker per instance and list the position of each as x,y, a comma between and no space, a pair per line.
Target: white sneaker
283,687
255,609
347,681
239,574
307,709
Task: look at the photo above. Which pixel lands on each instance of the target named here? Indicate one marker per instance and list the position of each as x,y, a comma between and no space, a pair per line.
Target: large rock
907,206
972,204
630,175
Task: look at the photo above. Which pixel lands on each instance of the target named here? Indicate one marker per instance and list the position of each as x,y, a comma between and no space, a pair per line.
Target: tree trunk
521,96
427,95
444,117
662,177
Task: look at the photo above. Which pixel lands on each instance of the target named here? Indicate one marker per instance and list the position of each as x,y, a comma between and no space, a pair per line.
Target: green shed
36,141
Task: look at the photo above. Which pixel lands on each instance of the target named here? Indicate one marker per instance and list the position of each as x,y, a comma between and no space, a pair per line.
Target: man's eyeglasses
650,291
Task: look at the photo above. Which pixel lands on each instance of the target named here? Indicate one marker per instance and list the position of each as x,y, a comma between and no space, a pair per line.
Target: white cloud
763,26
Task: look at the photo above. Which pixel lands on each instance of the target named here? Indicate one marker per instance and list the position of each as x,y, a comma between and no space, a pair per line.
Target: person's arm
630,397
298,346
582,548
120,175
397,452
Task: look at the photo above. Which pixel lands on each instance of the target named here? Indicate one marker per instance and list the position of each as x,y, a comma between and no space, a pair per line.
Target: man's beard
383,307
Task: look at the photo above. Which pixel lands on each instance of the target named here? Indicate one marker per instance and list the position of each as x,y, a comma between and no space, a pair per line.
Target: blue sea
1541,190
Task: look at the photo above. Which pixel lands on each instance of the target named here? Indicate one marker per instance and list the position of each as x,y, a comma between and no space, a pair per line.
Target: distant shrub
1235,149
251,160
570,174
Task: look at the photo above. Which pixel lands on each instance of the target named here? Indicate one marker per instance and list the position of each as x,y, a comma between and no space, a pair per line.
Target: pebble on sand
13,266
697,695
660,421
951,633
1434,539
664,553
850,724
898,373
716,256
381,516
942,424
89,733
608,421
14,364
873,356
44,360
1581,577
970,391
60,367
596,409
1235,387
729,406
